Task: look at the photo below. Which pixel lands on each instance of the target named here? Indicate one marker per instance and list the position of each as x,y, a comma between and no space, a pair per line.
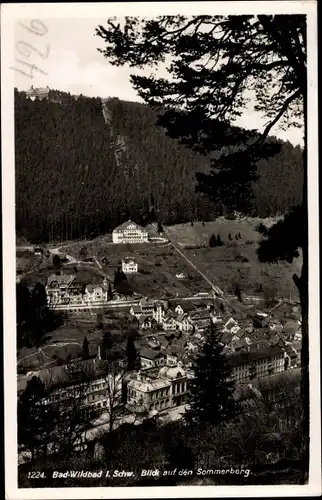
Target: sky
75,65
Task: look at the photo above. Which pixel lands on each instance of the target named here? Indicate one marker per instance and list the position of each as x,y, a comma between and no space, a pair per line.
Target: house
38,251
130,232
291,328
169,323
136,311
256,363
144,322
167,389
180,276
260,320
150,358
231,326
129,265
293,352
147,306
182,323
181,309
158,311
163,341
153,342
58,289
174,354
40,93
95,294
200,320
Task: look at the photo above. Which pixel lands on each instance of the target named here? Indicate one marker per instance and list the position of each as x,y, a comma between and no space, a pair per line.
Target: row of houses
158,314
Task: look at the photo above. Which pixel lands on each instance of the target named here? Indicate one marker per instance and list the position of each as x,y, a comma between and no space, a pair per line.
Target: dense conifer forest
83,167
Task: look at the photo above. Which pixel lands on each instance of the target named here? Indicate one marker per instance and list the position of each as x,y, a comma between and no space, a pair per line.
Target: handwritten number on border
33,27
21,44
26,49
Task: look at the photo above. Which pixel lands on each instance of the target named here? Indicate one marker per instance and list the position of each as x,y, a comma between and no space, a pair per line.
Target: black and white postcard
160,249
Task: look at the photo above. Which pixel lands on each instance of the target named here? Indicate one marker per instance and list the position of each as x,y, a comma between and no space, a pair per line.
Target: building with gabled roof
130,232
129,265
40,93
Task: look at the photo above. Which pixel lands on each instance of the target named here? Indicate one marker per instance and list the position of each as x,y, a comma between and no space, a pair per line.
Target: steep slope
83,166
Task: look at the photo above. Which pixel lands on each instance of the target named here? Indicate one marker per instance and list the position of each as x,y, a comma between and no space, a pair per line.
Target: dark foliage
213,241
133,359
95,172
85,349
210,390
237,292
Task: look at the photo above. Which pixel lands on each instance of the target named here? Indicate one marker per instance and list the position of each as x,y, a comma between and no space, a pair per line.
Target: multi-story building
149,308
130,232
129,265
167,389
257,363
40,93
85,381
150,358
59,289
66,295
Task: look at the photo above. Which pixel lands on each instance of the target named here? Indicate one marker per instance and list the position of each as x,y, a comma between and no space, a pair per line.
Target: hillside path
216,289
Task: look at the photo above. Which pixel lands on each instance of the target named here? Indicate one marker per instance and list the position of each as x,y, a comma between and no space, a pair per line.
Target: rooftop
60,279
128,226
148,353
244,358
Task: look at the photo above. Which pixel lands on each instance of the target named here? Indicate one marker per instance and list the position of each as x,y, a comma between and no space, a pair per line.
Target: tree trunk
302,284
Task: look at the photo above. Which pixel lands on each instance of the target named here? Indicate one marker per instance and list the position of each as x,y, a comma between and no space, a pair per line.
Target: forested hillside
80,172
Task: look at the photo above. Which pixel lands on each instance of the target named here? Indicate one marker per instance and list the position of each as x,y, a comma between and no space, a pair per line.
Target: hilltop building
40,93
130,232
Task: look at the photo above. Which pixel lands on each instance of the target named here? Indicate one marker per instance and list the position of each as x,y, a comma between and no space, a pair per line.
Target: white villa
167,389
65,295
130,232
129,265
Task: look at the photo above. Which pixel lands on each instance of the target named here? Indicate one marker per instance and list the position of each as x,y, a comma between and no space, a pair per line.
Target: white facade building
129,265
130,232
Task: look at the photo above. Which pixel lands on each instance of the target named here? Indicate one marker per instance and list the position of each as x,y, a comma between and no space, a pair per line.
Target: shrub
219,241
262,229
213,242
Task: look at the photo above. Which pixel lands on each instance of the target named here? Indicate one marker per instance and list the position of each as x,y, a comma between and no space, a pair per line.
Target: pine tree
85,350
230,237
133,360
219,241
106,345
210,390
99,321
212,241
160,228
34,418
57,262
239,236
238,293
236,236
119,276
